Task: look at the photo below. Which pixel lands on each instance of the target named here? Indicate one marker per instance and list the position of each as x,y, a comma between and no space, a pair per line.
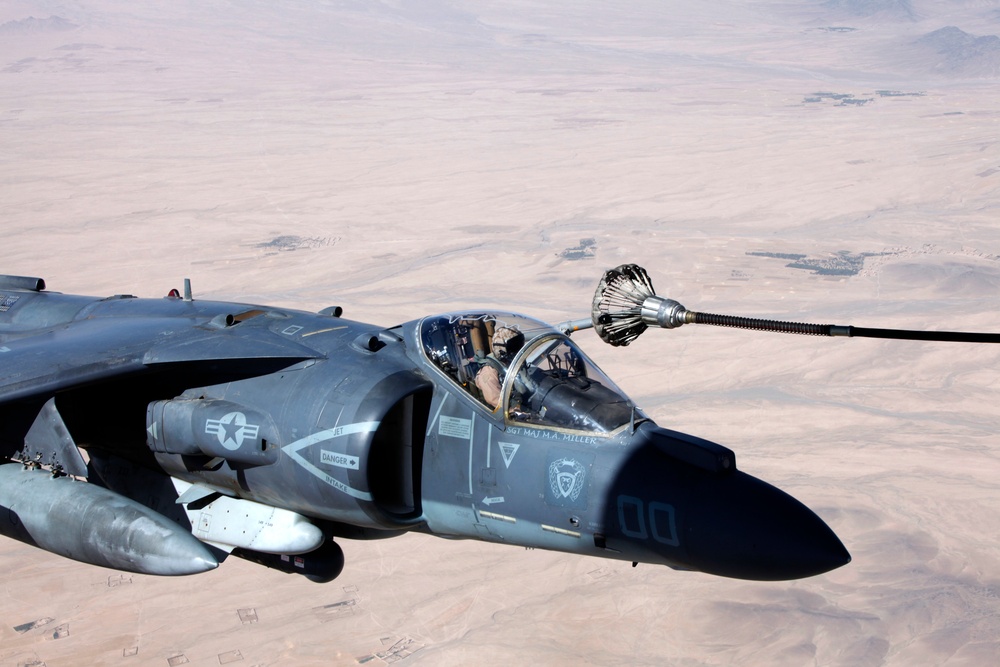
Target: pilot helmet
506,343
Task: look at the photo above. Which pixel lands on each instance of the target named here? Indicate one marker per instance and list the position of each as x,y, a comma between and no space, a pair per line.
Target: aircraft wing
97,350
78,375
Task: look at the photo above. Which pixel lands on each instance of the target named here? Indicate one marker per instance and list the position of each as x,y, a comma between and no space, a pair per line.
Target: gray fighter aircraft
161,435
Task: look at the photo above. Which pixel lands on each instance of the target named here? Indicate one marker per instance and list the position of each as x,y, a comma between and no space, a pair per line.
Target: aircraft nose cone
752,530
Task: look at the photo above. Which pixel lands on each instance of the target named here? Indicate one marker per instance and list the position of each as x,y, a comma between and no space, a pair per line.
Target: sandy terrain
401,161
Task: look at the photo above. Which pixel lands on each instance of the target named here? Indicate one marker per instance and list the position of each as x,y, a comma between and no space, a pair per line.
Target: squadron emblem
566,477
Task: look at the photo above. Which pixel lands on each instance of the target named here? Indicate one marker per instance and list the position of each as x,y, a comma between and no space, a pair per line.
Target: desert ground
829,162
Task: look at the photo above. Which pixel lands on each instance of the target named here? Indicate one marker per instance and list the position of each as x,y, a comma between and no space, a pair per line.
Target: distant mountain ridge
901,9
31,26
959,52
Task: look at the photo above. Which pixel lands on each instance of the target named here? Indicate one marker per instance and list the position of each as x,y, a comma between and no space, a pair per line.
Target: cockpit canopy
525,370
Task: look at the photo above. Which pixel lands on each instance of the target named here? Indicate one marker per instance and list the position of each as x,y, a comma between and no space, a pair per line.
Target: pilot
506,343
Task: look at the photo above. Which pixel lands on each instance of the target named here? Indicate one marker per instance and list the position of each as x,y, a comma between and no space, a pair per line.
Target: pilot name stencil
546,434
232,430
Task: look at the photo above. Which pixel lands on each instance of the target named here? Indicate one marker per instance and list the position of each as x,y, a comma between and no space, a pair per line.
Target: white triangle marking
507,451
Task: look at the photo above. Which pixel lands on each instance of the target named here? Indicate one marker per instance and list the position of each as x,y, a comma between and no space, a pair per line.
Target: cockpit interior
542,378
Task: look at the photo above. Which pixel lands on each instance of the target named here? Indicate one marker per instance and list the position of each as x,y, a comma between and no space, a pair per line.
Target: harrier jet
162,435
